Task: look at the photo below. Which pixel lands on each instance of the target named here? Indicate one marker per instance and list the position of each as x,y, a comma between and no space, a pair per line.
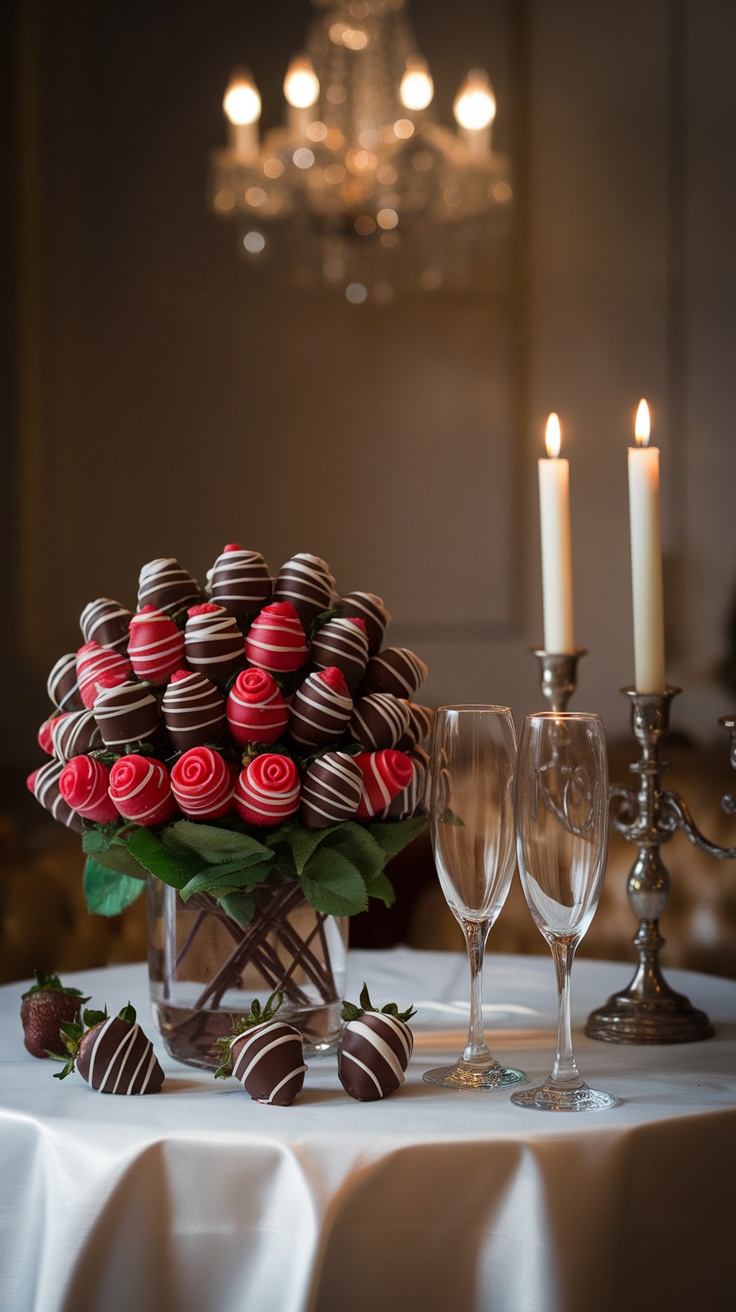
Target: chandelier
359,188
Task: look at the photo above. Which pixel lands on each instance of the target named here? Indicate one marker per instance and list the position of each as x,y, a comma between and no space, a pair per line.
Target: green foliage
257,1015
108,892
351,1012
52,984
338,868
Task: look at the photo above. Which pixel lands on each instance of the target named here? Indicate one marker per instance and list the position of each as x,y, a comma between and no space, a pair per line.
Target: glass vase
204,968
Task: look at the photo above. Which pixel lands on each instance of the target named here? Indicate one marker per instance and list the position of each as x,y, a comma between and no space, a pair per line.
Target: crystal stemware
473,760
562,840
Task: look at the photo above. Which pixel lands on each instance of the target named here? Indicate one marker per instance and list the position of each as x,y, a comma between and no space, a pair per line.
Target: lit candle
646,559
554,513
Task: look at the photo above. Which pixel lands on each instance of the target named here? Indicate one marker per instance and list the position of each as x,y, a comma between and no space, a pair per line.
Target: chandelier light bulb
475,104
301,84
242,103
417,88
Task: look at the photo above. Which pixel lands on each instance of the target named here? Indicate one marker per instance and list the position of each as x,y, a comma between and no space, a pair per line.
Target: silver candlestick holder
649,1011
558,675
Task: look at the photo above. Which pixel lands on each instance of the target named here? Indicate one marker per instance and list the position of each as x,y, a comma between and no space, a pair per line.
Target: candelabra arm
624,805
675,814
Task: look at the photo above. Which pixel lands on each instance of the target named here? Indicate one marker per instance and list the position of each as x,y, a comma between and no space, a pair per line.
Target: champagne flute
562,841
473,758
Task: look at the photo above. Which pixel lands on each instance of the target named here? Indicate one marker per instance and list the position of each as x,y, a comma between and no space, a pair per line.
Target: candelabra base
648,1011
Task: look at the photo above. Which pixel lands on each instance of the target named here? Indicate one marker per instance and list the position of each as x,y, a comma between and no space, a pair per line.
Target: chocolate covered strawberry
371,610
106,622
44,1009
306,583
396,670
265,1054
374,1050
240,581
342,641
165,584
214,643
193,710
111,1053
331,788
320,708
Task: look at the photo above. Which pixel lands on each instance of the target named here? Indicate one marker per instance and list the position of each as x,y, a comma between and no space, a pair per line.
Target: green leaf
212,844
108,892
240,907
333,884
119,859
150,852
358,845
381,887
304,842
394,836
234,875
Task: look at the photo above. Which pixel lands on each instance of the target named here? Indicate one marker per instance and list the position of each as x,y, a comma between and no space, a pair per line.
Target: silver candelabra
649,1010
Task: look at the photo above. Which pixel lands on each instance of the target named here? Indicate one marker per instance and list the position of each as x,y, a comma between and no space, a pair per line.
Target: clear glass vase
204,968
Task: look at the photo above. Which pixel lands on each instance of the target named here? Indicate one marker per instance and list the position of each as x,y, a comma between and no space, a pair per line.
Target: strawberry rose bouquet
253,746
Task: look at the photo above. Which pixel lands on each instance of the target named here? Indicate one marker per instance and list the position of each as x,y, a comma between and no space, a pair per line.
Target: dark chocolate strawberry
265,1054
111,1053
374,1049
44,1009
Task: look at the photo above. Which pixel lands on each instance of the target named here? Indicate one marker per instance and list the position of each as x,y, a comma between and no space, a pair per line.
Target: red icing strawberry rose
203,784
141,790
268,790
94,663
256,709
83,783
276,640
156,645
385,774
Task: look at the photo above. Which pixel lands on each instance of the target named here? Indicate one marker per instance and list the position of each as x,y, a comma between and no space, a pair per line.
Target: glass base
552,1098
461,1076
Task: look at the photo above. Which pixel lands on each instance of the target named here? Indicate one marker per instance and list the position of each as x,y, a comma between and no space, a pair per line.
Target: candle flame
642,427
552,437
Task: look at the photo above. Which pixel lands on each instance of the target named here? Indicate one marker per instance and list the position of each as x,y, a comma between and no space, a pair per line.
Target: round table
200,1200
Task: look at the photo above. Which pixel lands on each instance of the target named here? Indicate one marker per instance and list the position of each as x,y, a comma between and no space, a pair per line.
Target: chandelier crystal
359,188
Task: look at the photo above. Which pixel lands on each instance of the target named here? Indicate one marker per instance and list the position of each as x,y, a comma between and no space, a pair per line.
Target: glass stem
476,1051
564,1071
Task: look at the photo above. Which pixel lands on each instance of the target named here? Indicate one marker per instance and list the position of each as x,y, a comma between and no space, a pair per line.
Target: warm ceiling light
242,103
475,105
301,84
417,87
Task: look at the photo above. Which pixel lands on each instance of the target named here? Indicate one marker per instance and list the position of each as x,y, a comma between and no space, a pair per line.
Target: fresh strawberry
374,1049
265,1054
111,1053
44,1008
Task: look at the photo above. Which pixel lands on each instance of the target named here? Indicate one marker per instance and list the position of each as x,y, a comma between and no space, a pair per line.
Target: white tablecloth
200,1200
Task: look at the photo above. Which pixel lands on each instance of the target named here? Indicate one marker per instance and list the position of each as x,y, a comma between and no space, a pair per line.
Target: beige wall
171,403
